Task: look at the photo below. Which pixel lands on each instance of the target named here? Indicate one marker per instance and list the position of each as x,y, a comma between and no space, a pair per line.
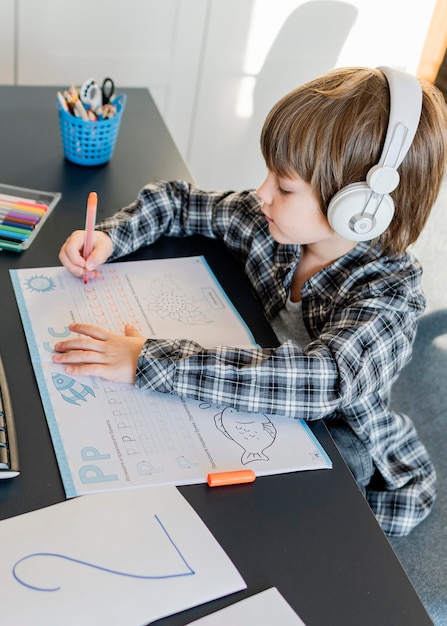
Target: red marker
238,477
90,220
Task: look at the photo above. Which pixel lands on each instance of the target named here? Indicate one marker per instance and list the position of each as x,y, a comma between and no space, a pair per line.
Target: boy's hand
99,352
70,254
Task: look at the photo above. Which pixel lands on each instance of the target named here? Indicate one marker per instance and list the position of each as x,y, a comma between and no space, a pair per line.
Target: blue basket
90,143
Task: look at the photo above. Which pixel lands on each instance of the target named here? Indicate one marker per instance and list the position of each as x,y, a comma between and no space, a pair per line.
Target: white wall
214,67
271,47
7,41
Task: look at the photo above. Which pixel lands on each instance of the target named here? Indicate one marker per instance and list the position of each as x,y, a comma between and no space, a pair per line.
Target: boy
334,276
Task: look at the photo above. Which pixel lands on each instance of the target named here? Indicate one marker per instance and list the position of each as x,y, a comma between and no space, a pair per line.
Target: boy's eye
282,191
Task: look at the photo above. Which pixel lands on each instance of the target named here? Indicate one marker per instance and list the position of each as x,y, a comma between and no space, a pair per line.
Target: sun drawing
40,283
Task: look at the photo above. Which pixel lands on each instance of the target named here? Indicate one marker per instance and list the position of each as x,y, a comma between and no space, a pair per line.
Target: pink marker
90,220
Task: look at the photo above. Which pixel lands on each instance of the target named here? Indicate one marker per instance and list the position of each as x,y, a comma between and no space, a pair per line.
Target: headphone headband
405,113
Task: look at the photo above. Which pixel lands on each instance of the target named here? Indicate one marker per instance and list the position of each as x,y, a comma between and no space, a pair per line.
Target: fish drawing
74,389
254,432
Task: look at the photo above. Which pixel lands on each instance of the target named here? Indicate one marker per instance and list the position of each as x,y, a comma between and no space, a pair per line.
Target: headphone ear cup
347,220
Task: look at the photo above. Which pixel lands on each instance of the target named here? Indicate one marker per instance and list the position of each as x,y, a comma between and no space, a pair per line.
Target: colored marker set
22,214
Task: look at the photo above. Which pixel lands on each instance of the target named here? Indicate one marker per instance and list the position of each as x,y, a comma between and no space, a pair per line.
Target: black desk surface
310,534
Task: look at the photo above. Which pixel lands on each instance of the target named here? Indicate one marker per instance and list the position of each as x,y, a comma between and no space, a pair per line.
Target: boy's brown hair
330,131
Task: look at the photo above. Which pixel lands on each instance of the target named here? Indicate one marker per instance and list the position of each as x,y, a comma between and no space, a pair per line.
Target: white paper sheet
110,559
263,609
108,435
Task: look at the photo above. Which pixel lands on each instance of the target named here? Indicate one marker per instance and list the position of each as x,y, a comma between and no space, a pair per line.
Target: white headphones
363,211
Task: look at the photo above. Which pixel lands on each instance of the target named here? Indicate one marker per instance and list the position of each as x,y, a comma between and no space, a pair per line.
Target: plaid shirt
361,314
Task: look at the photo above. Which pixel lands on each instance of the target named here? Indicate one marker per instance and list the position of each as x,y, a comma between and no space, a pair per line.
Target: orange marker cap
219,479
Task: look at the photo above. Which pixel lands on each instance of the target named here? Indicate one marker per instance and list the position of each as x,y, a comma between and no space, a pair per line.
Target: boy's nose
264,191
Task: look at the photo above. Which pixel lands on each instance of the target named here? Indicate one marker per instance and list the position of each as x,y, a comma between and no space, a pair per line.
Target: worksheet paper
108,435
263,609
122,557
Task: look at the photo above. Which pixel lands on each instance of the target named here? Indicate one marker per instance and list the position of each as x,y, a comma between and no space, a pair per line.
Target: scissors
107,89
